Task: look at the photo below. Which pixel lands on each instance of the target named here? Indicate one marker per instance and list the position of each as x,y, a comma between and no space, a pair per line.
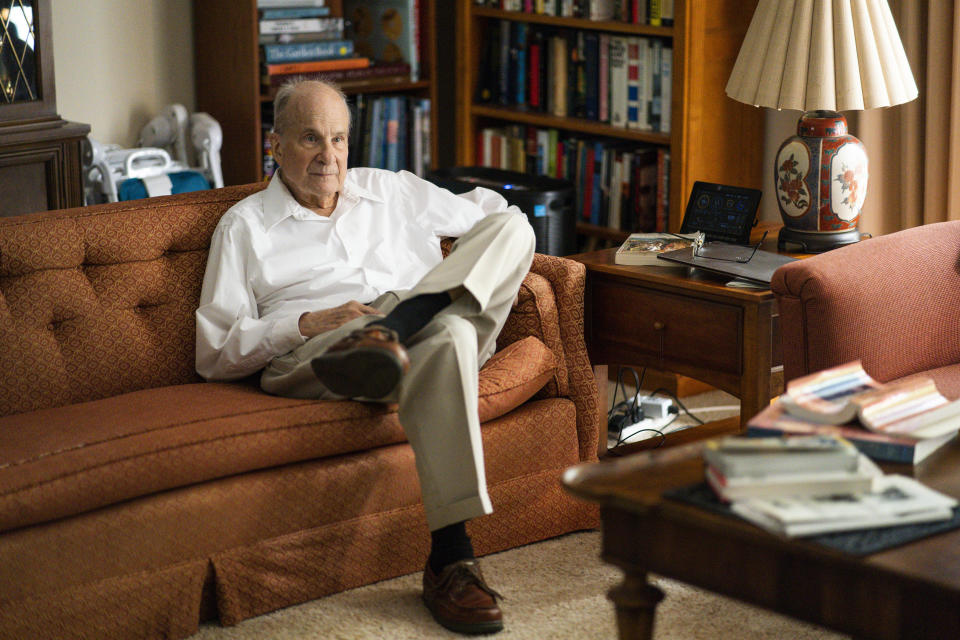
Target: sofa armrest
892,302
567,278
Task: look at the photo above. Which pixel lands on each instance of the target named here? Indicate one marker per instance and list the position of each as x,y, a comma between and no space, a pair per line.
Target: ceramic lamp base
821,182
815,242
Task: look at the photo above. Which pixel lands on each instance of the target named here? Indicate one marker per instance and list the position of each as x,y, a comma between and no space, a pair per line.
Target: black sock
413,314
448,545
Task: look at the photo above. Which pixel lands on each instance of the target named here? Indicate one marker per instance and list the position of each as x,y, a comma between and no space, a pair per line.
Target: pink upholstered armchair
892,302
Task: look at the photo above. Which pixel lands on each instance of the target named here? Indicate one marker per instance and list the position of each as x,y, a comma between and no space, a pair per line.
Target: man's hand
314,323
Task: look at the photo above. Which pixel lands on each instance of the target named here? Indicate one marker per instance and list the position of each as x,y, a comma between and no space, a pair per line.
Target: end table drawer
670,329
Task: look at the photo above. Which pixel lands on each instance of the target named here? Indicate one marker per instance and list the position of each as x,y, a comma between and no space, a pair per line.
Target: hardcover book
618,80
643,248
840,394
386,31
306,51
794,484
775,421
740,456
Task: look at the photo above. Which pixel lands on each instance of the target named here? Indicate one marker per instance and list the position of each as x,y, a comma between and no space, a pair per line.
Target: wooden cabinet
40,165
712,137
226,45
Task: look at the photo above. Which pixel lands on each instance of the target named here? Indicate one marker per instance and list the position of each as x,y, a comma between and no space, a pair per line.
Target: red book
533,76
317,65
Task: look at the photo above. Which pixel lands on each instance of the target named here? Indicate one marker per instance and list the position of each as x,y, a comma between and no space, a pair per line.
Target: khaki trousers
437,397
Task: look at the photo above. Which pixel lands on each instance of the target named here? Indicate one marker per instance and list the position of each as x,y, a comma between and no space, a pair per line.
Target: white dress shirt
271,260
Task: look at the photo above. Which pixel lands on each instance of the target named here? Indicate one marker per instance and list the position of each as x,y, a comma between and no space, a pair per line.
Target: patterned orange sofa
137,500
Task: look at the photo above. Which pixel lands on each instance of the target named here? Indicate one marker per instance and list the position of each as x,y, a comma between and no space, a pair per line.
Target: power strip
640,430
657,412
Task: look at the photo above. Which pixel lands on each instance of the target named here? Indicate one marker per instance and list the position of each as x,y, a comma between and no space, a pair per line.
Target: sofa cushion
61,461
512,375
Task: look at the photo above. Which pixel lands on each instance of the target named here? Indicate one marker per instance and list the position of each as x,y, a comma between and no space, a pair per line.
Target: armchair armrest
892,302
557,319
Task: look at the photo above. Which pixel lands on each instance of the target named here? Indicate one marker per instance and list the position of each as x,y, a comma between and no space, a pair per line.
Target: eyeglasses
698,249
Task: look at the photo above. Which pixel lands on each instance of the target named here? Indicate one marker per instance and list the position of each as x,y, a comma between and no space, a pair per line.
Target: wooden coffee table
911,591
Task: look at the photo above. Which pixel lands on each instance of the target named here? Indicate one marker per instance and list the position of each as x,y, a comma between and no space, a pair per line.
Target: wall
118,62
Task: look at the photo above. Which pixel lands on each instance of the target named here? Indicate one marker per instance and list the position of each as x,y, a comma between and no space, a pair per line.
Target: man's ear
275,146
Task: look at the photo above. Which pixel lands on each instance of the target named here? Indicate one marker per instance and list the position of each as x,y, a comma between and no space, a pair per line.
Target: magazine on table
912,407
894,500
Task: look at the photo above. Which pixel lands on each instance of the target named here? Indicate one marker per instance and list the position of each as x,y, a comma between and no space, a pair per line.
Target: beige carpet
554,590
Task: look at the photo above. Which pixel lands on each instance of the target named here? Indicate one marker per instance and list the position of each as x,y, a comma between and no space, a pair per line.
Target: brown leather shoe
460,599
367,363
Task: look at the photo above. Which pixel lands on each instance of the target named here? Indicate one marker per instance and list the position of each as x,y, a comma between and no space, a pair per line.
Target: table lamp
821,57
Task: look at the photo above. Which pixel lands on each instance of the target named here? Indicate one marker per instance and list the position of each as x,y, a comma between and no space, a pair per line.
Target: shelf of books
380,52
598,93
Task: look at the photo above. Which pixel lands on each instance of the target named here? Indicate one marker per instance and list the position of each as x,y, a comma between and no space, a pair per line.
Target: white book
893,500
646,84
543,149
666,88
618,81
330,26
487,136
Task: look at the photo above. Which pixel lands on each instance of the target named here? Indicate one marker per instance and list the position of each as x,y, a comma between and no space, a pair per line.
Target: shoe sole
358,373
476,628
469,628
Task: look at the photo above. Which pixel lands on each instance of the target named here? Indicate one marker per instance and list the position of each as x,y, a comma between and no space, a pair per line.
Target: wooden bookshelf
227,69
713,138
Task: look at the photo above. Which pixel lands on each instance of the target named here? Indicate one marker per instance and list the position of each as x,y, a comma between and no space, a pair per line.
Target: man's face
312,148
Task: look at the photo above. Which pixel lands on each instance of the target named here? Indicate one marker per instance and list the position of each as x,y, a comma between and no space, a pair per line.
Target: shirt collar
279,203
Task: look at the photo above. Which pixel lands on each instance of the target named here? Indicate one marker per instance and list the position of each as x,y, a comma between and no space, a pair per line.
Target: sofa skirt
249,544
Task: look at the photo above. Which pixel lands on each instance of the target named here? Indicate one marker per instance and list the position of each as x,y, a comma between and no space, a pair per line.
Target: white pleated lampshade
836,55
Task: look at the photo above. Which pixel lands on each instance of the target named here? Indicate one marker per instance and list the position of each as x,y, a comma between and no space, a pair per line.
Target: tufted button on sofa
137,500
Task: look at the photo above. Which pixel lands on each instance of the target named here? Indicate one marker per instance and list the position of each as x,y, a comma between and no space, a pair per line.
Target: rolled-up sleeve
232,341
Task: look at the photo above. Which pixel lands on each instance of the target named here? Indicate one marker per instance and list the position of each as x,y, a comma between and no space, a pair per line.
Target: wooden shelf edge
569,124
606,233
376,85
575,23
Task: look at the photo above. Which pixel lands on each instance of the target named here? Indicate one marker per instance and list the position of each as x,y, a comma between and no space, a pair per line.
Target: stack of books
739,468
302,38
810,485
903,421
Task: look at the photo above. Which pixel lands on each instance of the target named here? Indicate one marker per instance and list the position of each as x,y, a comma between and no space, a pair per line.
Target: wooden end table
682,320
911,591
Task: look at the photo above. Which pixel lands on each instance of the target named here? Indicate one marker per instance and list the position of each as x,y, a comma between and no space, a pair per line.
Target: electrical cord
626,412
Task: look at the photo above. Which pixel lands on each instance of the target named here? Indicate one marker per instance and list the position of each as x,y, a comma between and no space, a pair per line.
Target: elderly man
332,282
